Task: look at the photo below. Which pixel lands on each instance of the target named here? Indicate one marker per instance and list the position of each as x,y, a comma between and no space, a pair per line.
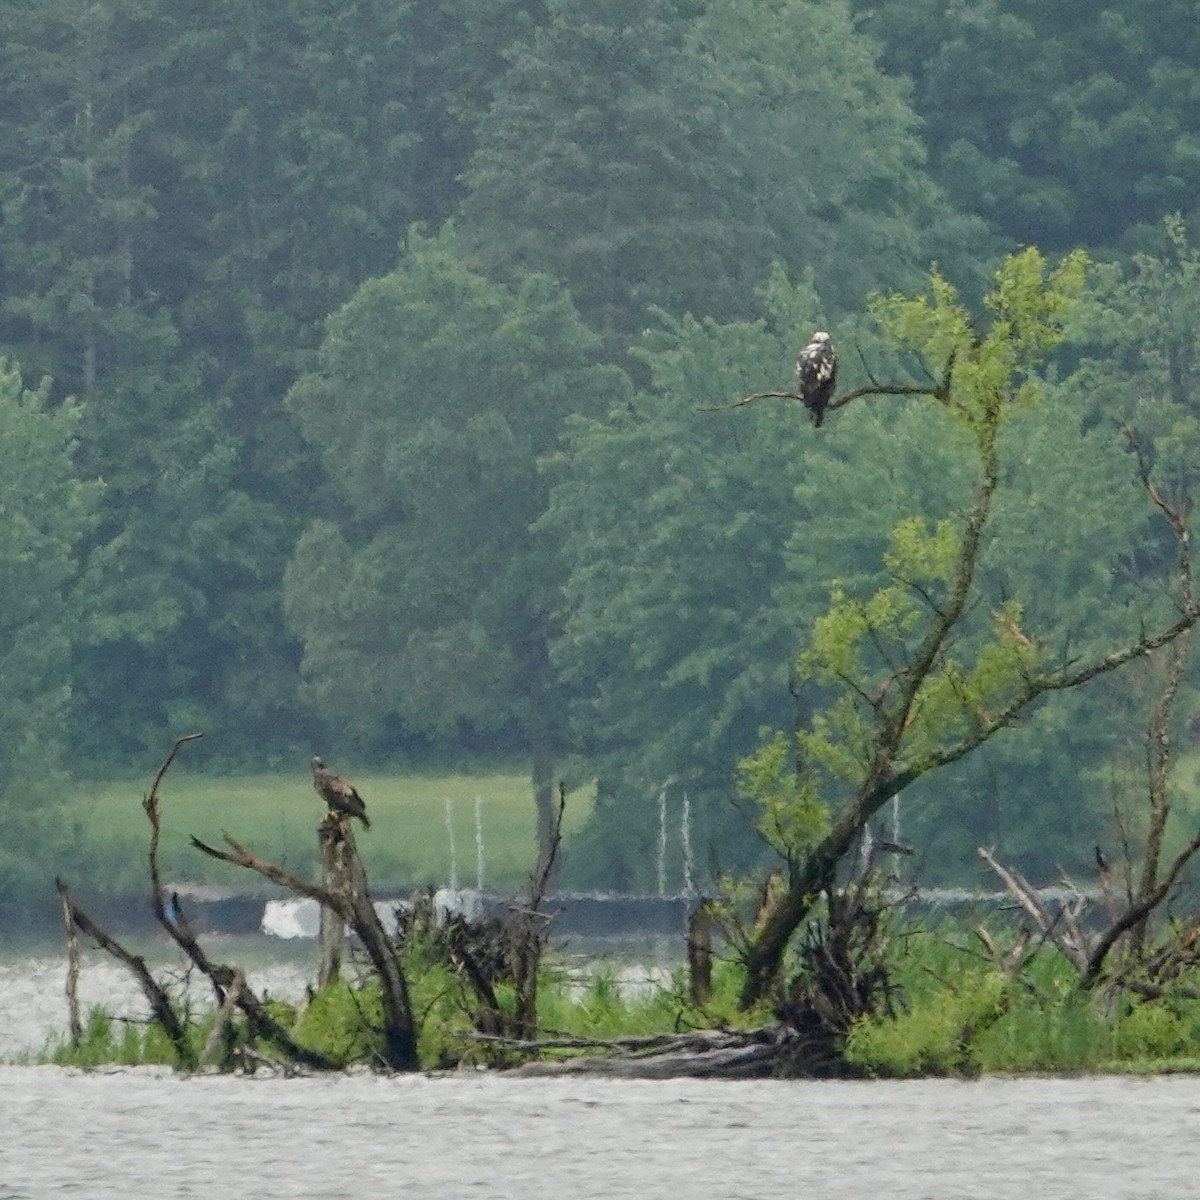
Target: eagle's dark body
337,793
816,375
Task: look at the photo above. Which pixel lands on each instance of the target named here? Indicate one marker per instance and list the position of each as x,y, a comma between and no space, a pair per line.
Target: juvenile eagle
816,375
337,793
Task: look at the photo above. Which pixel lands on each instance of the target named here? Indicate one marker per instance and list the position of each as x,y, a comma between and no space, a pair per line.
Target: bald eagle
337,793
816,375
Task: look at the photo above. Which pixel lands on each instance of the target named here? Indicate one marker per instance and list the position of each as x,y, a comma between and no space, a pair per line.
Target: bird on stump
342,799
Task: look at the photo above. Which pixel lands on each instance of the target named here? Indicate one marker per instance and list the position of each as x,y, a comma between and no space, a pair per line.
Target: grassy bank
951,1022
408,842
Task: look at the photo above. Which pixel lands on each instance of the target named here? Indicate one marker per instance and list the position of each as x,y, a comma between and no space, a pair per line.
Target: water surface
147,1134
143,1133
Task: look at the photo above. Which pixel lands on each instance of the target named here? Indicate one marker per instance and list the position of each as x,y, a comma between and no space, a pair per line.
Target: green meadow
409,842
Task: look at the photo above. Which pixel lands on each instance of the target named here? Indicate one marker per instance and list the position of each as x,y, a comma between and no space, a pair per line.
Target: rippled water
142,1134
33,1002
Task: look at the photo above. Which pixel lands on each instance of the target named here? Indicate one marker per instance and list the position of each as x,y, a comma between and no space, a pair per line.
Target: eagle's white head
820,336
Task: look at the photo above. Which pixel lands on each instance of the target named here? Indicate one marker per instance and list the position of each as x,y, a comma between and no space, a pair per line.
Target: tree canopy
678,192
47,510
429,601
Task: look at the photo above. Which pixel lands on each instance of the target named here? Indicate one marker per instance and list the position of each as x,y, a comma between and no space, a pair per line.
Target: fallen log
767,1052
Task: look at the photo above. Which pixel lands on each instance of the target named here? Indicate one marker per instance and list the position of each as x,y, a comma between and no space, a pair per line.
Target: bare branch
871,389
224,1016
354,905
1136,913
160,1003
1027,897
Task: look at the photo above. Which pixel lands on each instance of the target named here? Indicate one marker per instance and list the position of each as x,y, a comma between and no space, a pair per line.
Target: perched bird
337,793
816,375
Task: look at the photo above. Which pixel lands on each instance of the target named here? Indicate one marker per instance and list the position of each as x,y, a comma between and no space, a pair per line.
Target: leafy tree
829,150
671,643
47,509
180,629
427,606
1060,125
76,202
600,163
97,275
650,156
459,52
921,671
728,528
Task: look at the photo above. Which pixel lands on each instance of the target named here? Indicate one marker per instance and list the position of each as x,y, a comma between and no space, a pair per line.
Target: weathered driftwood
768,1052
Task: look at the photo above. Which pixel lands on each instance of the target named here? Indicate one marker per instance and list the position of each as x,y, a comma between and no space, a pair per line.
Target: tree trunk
544,764
331,937
699,953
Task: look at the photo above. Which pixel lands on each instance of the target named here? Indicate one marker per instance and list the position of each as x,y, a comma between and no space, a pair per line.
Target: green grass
276,816
961,1017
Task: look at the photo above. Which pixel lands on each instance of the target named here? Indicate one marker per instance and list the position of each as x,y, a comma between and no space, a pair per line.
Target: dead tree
352,903
333,841
228,983
161,1008
346,896
508,949
700,953
1124,951
223,978
74,1024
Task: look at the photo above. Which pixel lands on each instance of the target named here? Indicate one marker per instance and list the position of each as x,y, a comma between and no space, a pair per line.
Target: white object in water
302,918
291,918
457,902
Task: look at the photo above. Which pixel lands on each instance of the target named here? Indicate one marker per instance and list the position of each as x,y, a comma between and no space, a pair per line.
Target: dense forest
362,372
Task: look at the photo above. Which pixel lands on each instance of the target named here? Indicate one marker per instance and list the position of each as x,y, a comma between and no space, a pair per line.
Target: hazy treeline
355,358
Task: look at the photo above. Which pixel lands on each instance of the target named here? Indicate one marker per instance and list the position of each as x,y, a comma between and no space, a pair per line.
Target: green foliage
428,604
184,203
109,1041
667,158
341,1021
1154,1031
829,149
47,510
792,818
957,1016
1060,126
622,188
672,640
934,1037
896,696
961,1016
992,372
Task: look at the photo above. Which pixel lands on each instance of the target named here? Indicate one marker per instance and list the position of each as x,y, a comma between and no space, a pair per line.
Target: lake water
149,1134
